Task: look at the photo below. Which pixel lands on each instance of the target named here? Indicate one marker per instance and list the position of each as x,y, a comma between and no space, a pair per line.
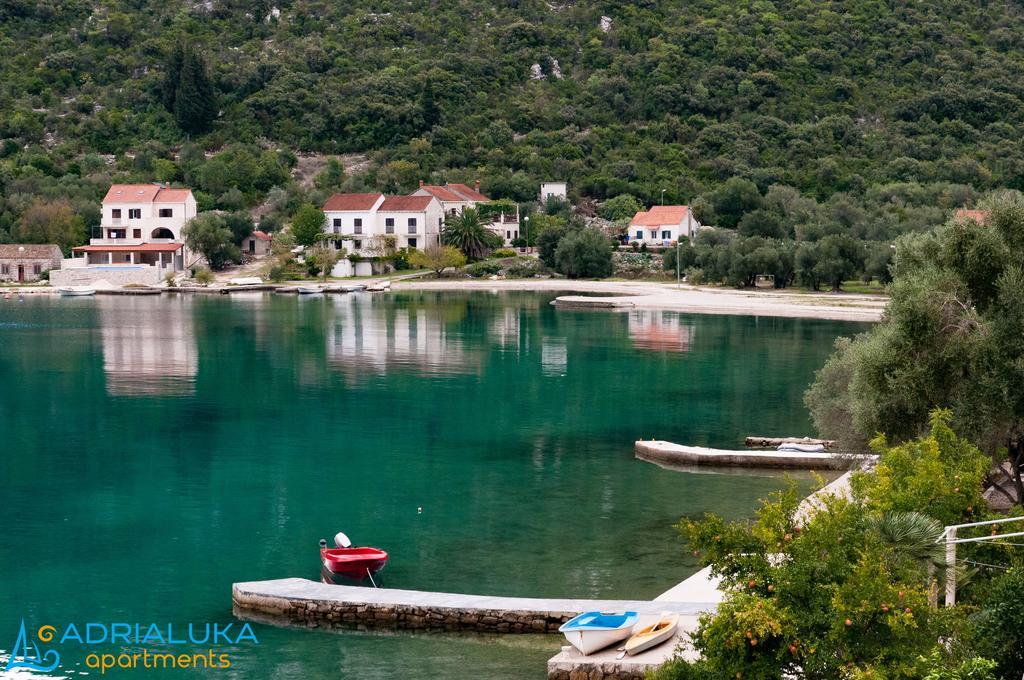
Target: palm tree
469,233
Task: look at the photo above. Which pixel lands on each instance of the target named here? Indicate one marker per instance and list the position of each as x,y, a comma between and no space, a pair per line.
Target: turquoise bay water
155,450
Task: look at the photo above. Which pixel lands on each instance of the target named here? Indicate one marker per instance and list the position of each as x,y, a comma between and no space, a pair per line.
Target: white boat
76,291
354,288
653,635
801,448
309,290
380,287
591,631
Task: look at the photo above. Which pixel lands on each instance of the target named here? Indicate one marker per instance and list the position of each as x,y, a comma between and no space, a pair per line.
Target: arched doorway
162,232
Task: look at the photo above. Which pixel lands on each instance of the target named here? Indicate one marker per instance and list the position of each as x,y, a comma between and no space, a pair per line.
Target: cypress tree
172,73
194,104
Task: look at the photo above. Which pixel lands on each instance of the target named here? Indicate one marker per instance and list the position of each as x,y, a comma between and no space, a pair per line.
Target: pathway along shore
651,295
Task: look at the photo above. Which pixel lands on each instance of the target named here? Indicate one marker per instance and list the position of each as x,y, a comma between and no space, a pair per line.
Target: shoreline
690,299
643,295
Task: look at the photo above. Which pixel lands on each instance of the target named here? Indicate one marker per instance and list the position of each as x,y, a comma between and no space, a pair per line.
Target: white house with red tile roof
964,215
413,221
140,235
663,225
454,198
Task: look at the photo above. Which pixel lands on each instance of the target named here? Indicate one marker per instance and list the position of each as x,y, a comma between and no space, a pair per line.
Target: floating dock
677,455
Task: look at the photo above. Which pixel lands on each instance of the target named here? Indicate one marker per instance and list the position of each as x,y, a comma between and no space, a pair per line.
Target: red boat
353,562
356,563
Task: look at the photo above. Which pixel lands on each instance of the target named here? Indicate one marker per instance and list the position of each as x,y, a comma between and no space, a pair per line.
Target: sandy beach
650,295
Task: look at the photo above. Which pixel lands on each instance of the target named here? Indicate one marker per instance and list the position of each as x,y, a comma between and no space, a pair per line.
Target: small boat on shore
654,634
801,448
379,287
76,291
353,288
592,631
351,562
309,290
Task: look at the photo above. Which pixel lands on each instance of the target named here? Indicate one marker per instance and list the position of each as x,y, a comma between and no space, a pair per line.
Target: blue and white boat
591,631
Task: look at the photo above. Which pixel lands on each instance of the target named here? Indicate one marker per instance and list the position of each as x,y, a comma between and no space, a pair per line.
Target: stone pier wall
321,614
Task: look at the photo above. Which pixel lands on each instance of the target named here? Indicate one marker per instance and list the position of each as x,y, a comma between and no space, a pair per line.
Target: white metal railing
951,541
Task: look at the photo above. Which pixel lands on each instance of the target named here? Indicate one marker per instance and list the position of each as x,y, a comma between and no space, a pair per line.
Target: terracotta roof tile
145,193
979,216
469,193
172,195
354,202
261,235
138,248
32,250
660,215
405,203
442,193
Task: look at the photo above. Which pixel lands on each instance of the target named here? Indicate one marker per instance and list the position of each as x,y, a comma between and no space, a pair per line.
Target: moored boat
309,290
653,635
801,448
380,287
591,631
76,291
351,562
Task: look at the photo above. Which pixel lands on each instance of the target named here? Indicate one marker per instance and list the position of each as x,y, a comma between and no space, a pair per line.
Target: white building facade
549,190
663,225
454,198
140,237
365,219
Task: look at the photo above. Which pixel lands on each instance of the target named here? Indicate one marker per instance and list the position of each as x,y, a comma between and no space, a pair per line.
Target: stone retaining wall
321,614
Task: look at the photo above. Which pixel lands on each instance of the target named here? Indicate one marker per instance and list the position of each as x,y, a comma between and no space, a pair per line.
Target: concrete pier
310,604
677,455
592,302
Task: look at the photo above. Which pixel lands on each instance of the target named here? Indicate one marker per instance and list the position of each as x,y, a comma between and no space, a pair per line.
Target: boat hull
354,563
307,290
76,292
593,631
653,635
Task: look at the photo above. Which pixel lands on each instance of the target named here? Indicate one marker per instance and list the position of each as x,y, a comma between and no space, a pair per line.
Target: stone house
26,262
257,244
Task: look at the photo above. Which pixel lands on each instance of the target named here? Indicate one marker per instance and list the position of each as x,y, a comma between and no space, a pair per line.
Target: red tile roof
660,215
139,248
342,202
979,216
442,193
145,193
28,250
172,195
261,235
469,193
405,203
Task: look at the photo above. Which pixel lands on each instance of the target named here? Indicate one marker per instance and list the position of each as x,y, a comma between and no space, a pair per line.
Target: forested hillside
883,115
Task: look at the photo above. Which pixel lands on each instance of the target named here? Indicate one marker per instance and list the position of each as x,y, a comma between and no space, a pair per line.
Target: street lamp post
526,220
663,197
895,259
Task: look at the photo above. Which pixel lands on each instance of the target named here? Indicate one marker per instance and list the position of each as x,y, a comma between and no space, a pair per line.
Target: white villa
663,225
413,221
549,190
454,198
140,237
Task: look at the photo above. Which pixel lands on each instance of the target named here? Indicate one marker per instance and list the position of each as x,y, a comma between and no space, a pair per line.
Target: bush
524,268
503,252
695,276
484,268
277,273
400,260
44,275
519,242
687,257
585,253
1000,629
202,275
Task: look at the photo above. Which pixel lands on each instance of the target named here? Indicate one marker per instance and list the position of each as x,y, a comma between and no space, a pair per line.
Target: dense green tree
50,222
209,235
584,253
622,207
172,74
468,232
437,259
195,103
549,239
950,339
307,224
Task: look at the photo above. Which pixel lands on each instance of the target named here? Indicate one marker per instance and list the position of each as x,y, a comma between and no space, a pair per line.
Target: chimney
476,186
421,184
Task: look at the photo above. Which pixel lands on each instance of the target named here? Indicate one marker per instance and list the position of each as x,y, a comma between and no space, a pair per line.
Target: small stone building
256,244
24,262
